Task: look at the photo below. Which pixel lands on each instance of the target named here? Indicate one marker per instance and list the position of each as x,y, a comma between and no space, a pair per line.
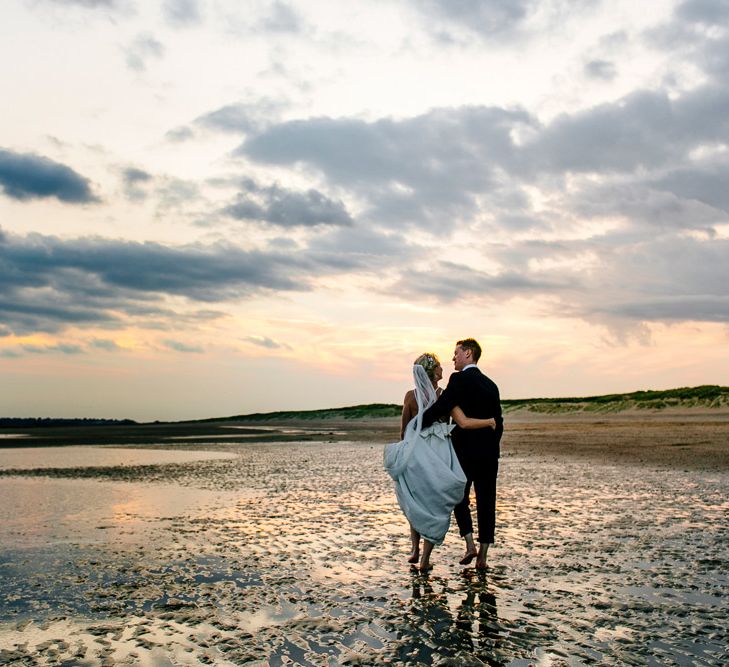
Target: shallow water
24,458
295,553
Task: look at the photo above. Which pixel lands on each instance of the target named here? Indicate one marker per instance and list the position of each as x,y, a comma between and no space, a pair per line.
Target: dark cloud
425,170
47,283
600,69
447,168
287,208
141,51
182,13
28,176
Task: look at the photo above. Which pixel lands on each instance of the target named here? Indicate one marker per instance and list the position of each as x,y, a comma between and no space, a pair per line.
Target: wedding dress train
429,481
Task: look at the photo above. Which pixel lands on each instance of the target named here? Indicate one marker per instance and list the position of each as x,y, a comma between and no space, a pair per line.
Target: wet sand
612,546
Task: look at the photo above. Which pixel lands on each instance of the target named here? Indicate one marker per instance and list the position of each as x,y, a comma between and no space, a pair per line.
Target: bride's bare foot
414,557
425,565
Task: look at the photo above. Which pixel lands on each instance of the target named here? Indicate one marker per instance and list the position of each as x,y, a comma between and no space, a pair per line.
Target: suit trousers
483,479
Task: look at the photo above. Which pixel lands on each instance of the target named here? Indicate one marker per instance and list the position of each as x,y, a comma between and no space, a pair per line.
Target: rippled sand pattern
295,554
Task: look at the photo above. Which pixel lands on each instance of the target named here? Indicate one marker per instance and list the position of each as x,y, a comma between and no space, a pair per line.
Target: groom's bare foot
483,551
470,555
471,552
425,566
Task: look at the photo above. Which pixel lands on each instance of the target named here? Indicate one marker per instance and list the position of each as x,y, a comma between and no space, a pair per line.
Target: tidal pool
295,554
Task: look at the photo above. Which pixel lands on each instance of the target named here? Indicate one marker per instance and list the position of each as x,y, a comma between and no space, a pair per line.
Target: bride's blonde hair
428,361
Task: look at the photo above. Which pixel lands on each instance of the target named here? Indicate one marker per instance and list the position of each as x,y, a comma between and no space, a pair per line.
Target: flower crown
428,361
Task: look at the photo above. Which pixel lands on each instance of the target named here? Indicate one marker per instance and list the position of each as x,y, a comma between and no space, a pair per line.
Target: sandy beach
284,545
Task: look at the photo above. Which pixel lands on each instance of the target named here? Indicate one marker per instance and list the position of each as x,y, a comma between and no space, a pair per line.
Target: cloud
92,4
105,344
642,206
674,278
48,283
644,130
600,69
243,117
142,50
134,180
180,134
450,282
697,34
182,13
26,176
451,21
268,343
182,347
427,170
704,182
485,18
287,208
63,348
281,18
706,12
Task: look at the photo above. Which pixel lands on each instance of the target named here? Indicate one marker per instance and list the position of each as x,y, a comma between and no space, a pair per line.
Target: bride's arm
470,422
409,410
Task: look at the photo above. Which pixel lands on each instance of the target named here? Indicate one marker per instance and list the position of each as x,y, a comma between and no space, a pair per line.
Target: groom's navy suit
477,449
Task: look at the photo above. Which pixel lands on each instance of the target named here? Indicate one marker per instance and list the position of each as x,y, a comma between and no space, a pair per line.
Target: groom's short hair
471,344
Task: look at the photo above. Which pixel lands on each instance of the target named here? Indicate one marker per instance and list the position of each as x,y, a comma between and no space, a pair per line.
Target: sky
217,207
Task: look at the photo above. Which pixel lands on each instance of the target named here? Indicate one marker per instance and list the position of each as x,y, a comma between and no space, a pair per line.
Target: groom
477,449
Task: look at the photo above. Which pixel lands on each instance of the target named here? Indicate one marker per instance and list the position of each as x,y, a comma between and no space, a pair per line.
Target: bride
429,481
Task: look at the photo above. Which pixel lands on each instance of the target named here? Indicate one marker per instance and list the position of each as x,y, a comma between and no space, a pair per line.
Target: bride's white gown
429,481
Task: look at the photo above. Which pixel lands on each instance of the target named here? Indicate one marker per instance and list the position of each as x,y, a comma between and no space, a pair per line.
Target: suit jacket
478,396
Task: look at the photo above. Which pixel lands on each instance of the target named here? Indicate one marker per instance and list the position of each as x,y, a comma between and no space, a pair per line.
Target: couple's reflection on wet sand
451,619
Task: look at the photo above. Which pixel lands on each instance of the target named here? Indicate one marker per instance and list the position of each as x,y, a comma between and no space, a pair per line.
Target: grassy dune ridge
704,396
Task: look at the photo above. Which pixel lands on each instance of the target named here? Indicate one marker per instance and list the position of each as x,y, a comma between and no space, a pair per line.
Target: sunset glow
214,208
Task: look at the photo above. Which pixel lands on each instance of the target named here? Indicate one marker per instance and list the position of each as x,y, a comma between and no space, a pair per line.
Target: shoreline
672,438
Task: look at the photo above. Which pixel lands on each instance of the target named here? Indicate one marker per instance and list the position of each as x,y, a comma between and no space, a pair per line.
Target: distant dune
712,397
704,397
